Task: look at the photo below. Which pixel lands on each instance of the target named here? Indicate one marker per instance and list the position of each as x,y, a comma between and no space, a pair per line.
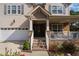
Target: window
57,27
14,9
19,9
57,9
54,9
8,9
60,9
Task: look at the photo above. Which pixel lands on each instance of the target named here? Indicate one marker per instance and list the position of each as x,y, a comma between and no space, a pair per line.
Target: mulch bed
52,53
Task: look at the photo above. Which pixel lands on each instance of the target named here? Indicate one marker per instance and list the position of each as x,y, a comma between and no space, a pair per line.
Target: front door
39,29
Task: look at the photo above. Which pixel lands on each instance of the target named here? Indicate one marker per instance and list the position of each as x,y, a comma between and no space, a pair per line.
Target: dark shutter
5,9
22,9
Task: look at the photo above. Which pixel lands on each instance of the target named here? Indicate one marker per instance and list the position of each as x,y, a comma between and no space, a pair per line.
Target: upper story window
57,10
13,9
19,9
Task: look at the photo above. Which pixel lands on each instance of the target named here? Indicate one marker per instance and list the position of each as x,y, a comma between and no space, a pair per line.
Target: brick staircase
39,44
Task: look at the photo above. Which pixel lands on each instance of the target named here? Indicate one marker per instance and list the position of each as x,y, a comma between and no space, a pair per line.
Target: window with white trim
8,9
56,27
14,9
19,9
57,10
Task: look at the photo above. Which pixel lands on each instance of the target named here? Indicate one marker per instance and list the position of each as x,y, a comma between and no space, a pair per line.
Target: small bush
26,45
68,47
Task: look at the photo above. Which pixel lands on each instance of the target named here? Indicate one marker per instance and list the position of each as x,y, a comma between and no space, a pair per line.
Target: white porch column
47,31
47,27
31,29
31,25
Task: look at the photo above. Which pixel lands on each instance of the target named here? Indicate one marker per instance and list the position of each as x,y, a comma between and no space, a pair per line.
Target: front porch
56,31
55,27
60,28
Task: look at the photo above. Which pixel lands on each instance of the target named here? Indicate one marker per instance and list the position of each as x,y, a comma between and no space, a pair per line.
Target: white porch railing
63,35
73,35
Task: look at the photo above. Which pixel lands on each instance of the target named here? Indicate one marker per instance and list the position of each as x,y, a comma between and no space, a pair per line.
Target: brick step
43,46
39,49
43,43
38,45
39,40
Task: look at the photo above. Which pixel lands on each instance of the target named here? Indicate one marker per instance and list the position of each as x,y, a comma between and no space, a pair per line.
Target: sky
74,6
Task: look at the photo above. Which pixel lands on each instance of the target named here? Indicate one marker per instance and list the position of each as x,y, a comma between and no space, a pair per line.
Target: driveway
11,45
17,46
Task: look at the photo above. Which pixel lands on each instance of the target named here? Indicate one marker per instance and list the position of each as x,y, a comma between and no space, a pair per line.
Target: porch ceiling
72,18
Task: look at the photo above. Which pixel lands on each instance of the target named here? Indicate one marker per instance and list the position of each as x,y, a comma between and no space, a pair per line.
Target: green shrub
26,45
68,47
77,49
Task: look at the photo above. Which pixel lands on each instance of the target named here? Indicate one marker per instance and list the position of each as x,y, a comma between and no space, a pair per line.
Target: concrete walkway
39,53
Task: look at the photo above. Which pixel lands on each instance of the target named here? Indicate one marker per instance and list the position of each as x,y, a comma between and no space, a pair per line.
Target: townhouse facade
40,23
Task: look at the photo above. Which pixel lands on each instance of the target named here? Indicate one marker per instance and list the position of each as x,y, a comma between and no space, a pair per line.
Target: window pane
55,27
19,9
60,27
59,7
60,10
13,9
8,9
54,7
54,11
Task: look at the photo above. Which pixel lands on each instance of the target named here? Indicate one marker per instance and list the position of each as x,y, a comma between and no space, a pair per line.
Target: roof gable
45,12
